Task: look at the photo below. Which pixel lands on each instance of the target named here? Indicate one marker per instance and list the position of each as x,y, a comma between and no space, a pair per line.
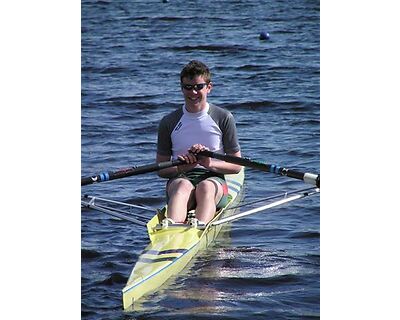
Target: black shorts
195,176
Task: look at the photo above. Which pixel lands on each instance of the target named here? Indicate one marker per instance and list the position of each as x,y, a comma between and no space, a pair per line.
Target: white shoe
166,222
194,223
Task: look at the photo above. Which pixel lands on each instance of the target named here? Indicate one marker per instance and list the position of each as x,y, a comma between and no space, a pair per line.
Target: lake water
266,266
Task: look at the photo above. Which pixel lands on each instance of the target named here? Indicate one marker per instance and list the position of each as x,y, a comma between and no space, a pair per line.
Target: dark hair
196,69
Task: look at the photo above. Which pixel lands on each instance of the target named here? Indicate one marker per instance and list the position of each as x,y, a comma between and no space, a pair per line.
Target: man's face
195,92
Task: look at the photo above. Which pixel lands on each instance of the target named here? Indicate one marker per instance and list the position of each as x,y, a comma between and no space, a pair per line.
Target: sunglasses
196,87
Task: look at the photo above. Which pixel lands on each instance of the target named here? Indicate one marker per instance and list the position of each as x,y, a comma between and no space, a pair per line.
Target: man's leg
208,193
181,198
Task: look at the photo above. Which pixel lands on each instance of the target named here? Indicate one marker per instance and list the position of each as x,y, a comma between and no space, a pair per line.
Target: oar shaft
310,178
122,173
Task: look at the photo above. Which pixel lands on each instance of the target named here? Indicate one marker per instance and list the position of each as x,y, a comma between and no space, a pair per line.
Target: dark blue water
265,266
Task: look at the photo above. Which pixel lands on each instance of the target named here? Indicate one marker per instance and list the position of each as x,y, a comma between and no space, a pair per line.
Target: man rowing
196,126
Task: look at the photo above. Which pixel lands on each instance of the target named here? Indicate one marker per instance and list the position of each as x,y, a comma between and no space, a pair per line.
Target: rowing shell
171,248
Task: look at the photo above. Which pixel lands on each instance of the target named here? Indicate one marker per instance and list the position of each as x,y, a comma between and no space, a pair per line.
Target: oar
309,178
122,173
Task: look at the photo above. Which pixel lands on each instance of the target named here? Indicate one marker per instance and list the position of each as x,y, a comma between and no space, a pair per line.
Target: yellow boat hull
172,248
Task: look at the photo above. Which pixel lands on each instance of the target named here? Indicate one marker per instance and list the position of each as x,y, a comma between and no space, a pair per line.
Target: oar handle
309,178
122,173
